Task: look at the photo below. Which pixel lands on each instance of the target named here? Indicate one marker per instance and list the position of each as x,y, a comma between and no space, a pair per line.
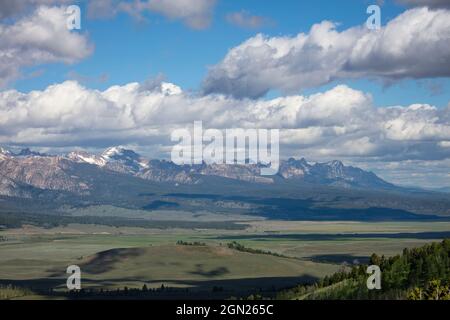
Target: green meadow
118,257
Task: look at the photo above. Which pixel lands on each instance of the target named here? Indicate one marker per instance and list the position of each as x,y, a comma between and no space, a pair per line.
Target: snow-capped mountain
114,158
4,153
61,172
129,159
84,157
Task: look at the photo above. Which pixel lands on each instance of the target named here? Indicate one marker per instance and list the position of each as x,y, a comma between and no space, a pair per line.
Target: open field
112,257
156,215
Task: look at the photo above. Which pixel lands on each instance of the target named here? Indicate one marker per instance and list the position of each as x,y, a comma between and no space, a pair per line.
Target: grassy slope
36,255
191,265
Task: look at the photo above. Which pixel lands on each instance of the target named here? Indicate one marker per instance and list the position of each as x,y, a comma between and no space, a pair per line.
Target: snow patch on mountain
84,157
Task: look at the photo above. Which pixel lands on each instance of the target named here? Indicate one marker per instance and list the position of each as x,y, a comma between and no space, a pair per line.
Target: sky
136,70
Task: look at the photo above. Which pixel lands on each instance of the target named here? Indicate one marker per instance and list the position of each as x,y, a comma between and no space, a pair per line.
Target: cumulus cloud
13,8
101,9
197,14
413,45
427,3
339,123
40,38
243,19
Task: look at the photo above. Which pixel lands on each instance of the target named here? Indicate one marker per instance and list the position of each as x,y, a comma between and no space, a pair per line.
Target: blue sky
127,50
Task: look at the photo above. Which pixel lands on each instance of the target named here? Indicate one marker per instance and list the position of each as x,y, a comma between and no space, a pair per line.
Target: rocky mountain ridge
55,172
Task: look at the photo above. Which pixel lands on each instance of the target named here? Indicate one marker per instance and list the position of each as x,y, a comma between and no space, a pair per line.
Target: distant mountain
46,172
10,188
128,160
84,157
120,177
125,161
447,189
4,154
28,153
333,173
60,172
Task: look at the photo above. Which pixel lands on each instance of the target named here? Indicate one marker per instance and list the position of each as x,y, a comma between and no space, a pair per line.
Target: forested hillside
419,274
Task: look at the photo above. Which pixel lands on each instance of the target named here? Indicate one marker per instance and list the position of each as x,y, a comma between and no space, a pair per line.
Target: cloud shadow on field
217,272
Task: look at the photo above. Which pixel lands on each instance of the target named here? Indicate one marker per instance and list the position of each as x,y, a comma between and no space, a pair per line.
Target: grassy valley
199,262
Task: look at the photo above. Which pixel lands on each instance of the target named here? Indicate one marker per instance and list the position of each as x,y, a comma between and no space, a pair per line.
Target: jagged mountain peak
117,159
335,164
4,154
334,169
119,152
4,151
27,152
111,151
298,162
85,157
122,160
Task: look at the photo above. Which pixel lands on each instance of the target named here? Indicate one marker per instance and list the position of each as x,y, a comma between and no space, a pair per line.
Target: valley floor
276,255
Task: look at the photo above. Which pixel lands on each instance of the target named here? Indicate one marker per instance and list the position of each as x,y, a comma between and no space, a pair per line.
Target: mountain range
33,185
22,171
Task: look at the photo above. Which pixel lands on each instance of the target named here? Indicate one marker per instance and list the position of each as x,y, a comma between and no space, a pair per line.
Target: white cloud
13,8
413,45
417,122
197,14
414,173
243,19
36,39
339,123
427,3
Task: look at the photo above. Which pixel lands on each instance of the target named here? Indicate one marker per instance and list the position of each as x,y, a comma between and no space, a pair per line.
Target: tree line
418,273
